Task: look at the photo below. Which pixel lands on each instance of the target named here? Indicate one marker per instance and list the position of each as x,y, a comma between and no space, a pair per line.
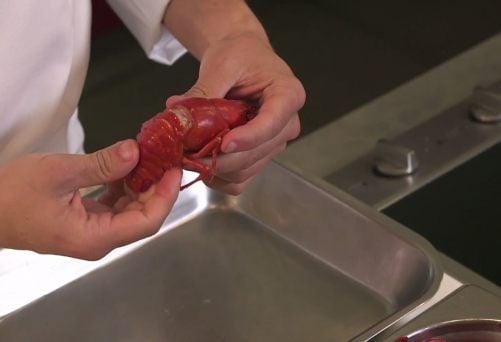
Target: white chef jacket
44,54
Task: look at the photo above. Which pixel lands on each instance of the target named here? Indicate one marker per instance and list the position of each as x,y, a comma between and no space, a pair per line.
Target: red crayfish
189,129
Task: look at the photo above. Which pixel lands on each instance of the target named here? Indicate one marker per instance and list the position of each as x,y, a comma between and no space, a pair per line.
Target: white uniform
44,53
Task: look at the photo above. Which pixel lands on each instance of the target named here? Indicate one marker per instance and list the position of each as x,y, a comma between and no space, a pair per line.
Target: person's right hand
41,208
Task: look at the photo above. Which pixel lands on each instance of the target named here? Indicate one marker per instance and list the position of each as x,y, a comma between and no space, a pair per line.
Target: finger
94,206
104,166
122,202
280,103
241,160
235,184
171,100
131,225
243,175
235,162
228,188
213,81
114,191
151,216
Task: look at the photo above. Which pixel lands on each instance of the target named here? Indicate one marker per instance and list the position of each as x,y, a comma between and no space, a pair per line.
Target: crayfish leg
205,171
213,146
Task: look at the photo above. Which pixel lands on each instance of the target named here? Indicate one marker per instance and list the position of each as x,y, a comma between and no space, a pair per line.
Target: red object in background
103,18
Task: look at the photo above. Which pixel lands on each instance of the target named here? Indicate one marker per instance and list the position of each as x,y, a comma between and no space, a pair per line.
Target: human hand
245,66
42,209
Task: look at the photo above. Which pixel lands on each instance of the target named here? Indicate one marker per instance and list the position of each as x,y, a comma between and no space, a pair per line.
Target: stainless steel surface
287,261
469,308
466,276
348,138
448,285
442,143
394,160
486,105
353,136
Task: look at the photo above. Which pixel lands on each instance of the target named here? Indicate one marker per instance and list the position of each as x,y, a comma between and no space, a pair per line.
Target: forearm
199,23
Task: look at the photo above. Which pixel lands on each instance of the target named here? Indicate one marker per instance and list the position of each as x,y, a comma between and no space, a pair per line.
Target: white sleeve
144,19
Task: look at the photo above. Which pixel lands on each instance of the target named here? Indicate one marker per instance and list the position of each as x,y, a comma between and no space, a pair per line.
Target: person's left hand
245,66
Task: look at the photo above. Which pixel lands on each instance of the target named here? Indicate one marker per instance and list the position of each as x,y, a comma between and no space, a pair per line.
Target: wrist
243,36
199,24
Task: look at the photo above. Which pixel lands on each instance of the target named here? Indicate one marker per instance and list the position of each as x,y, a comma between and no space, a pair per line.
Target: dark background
346,53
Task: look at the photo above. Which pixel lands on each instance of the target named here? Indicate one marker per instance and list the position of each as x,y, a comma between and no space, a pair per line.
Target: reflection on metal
469,314
485,330
26,276
394,160
448,285
425,117
486,105
442,143
287,260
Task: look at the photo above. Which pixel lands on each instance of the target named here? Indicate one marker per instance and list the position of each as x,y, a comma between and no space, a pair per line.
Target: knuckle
48,163
238,161
249,162
295,129
235,189
281,148
198,90
240,177
103,162
299,91
227,187
295,132
275,127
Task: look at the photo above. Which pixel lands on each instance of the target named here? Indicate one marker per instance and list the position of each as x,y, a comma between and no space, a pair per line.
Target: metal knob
486,107
394,160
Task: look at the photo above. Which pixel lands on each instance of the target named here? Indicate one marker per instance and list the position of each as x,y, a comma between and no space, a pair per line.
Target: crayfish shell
190,128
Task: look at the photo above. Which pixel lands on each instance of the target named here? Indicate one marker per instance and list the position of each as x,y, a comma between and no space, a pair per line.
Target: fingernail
230,147
125,151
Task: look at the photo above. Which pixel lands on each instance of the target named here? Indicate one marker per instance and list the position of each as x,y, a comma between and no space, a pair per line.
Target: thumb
103,166
215,81
199,89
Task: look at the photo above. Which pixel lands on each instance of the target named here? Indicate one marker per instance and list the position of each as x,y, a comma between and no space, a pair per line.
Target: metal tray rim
396,228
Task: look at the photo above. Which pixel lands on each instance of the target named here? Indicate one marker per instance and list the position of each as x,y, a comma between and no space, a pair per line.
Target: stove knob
394,160
486,107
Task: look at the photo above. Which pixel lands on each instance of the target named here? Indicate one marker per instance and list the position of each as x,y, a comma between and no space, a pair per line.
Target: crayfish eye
183,116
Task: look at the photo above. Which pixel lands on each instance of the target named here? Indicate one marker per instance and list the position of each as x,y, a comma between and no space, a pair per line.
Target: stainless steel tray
286,261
